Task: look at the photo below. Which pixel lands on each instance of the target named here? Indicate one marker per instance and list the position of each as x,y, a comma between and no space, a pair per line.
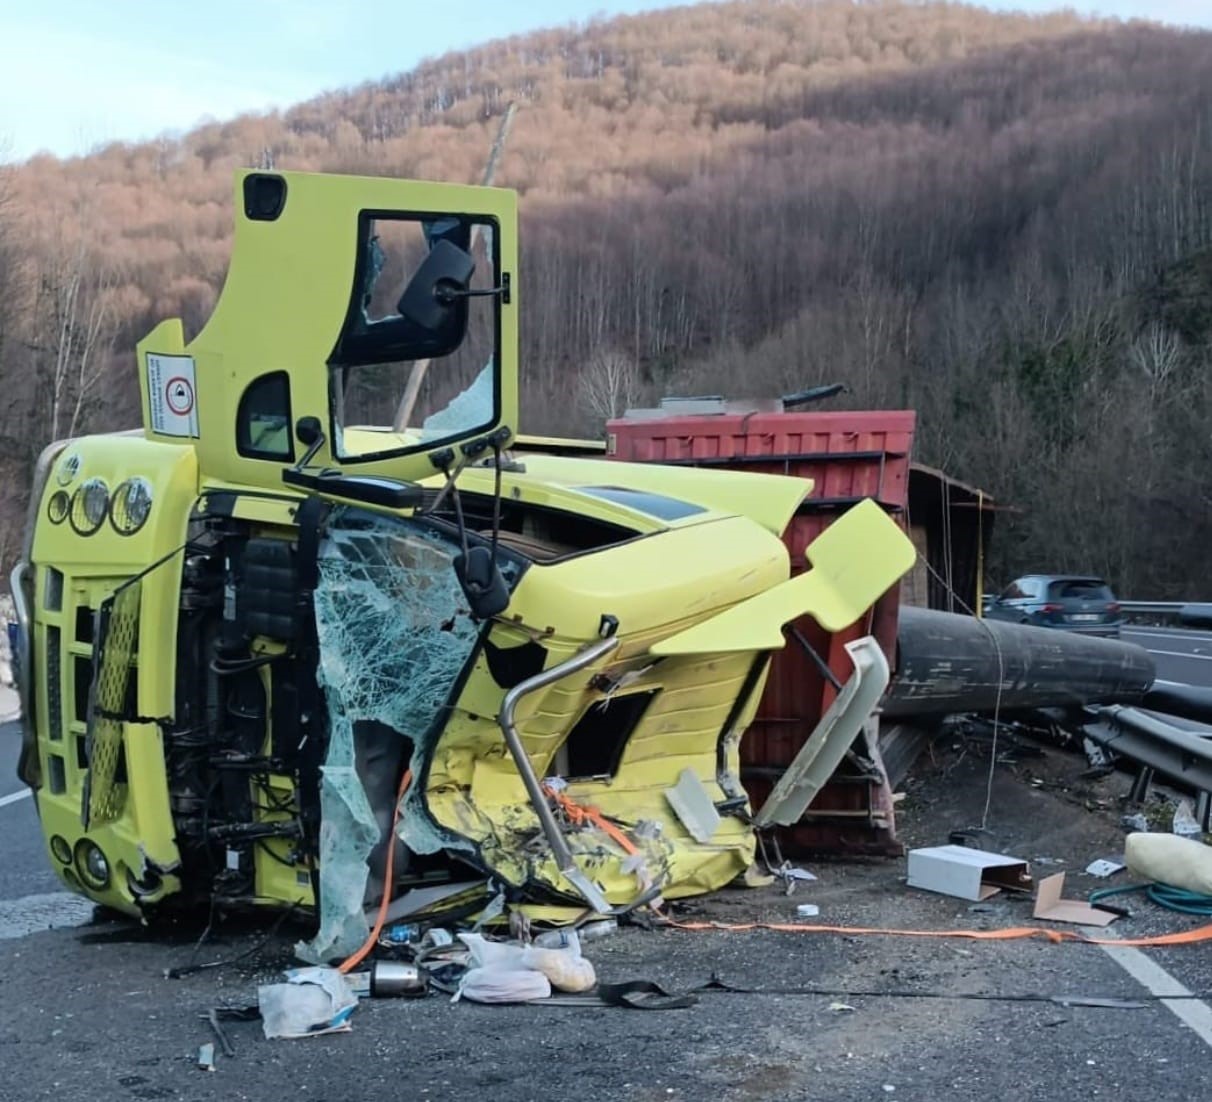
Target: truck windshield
395,389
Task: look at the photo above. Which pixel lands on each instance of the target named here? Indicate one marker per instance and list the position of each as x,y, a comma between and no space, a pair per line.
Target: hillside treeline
998,220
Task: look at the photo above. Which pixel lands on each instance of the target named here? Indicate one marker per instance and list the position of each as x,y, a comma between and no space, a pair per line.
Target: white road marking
1152,976
25,793
1182,654
1153,629
1193,636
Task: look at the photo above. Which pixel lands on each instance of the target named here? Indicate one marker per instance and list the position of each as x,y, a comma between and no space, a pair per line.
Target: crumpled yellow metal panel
696,670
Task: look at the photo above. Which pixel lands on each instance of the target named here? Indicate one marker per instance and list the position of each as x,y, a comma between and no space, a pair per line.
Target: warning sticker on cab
172,395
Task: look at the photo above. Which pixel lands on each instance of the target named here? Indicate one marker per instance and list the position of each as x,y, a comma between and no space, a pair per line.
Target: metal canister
391,979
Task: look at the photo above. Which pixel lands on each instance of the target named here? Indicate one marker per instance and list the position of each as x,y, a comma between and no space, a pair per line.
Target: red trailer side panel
848,456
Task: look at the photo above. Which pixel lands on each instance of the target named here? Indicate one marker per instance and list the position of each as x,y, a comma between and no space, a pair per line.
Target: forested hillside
1002,221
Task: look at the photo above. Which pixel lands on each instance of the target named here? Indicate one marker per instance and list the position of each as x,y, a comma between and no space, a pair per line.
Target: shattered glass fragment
466,409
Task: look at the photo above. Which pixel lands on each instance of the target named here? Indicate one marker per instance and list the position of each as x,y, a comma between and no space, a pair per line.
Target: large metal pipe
947,663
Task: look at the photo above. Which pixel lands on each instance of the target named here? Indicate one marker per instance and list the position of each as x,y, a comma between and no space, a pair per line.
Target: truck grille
113,656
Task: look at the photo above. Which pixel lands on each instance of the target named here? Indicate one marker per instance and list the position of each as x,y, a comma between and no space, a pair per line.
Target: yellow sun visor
854,562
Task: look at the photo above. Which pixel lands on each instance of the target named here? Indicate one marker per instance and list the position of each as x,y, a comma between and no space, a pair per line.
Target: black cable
264,848
225,667
190,969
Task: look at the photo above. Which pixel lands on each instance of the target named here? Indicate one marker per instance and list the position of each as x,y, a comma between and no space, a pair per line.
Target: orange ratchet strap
1185,937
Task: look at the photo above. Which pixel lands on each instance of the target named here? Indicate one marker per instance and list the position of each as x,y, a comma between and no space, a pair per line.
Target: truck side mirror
434,297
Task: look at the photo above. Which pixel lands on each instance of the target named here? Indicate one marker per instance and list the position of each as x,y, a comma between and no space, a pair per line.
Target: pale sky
78,73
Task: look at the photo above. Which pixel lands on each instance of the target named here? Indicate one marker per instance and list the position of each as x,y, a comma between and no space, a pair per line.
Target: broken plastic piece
1104,866
206,1057
692,803
824,749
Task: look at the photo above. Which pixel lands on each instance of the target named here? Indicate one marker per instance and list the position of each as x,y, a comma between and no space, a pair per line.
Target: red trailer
847,456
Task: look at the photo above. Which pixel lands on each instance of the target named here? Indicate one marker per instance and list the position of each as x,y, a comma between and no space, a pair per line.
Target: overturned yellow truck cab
325,630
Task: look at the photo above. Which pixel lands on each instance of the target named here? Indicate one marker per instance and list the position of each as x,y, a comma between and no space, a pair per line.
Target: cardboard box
967,873
1051,908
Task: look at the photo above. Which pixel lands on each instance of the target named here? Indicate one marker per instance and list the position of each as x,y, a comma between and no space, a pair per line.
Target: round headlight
61,850
131,504
90,503
58,506
91,864
69,468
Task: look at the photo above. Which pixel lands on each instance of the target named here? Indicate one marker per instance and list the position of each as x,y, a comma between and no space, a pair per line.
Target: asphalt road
87,1011
1178,655
23,868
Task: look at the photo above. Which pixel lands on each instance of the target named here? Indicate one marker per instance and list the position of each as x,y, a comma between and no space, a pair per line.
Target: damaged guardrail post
1183,756
534,788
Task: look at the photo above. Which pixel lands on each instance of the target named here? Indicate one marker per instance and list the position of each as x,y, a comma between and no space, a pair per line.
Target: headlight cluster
89,505
127,508
131,506
91,865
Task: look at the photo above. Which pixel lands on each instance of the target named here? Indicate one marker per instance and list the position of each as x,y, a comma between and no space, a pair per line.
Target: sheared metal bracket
831,738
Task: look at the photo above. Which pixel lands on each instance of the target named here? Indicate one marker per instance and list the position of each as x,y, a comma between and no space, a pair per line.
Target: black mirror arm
447,292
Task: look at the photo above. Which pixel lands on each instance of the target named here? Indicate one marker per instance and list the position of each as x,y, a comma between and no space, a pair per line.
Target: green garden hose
1164,895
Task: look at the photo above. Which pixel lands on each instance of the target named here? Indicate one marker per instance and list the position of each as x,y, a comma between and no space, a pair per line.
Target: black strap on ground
643,995
632,995
719,985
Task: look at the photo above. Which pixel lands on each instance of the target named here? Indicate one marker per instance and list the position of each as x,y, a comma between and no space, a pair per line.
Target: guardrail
1187,614
1192,614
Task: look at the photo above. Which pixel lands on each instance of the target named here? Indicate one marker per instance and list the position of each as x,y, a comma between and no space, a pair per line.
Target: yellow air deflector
854,562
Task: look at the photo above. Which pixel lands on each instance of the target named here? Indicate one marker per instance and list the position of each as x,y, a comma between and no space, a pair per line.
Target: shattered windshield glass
395,634
396,385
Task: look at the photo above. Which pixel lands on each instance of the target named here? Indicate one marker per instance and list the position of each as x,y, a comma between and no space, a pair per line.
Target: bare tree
608,385
74,332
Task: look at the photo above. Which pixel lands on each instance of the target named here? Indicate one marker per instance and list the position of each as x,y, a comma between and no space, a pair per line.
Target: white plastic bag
502,985
1185,824
564,967
504,971
494,954
313,1001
